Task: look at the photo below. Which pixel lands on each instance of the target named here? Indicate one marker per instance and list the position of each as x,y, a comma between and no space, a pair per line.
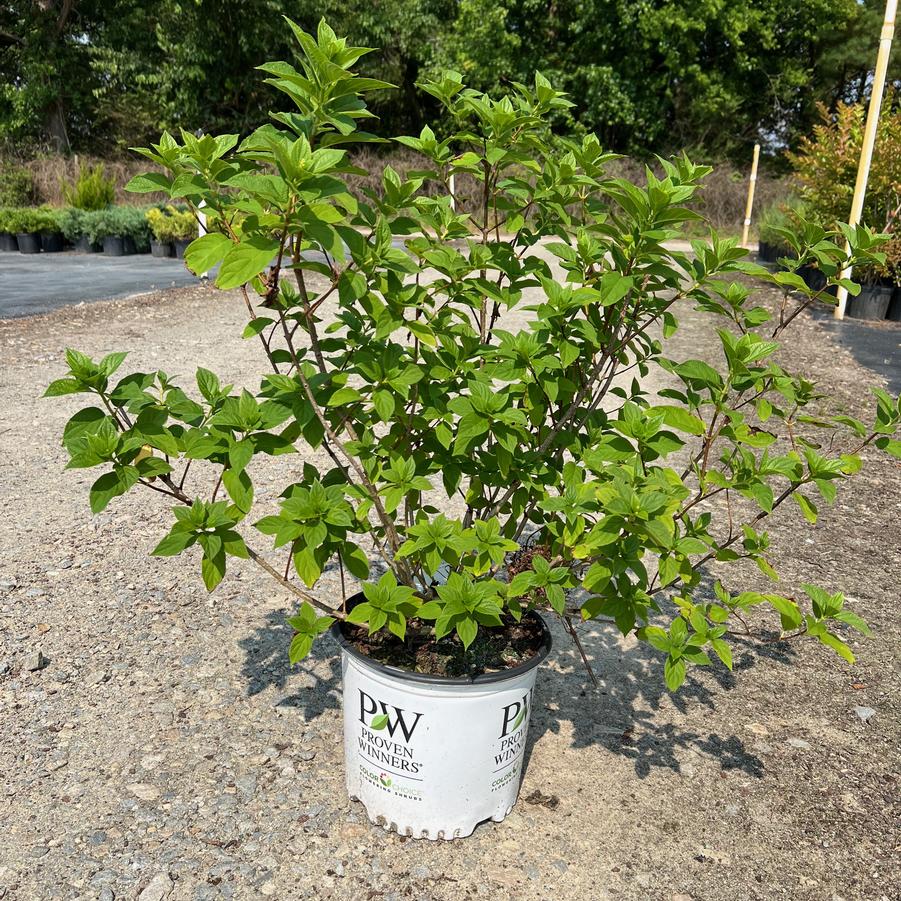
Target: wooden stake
869,138
752,183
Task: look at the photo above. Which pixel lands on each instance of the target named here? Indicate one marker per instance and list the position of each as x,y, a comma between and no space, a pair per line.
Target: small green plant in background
455,428
91,188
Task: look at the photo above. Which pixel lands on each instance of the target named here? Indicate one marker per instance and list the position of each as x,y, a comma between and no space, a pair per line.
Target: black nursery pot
767,253
180,246
52,242
162,249
84,245
118,246
8,242
29,242
894,307
872,302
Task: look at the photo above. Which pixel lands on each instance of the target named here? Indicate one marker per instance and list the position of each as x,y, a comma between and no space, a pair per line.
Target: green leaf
379,722
174,543
148,183
245,261
383,401
239,488
789,613
807,507
467,629
674,673
255,326
213,569
722,650
59,387
307,566
110,485
837,645
300,647
207,251
679,418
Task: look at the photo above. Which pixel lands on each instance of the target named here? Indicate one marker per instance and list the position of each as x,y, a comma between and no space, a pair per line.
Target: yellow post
869,137
752,183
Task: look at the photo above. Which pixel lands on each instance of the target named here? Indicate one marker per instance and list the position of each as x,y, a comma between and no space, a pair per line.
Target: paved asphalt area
38,283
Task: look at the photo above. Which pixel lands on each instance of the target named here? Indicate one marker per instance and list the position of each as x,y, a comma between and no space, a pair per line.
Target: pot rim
431,679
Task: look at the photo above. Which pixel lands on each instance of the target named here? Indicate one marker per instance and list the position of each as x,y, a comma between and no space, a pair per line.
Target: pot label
434,759
383,745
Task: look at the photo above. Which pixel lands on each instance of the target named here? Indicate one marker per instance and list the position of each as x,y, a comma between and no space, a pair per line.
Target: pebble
306,756
865,713
107,894
35,661
799,743
157,889
144,791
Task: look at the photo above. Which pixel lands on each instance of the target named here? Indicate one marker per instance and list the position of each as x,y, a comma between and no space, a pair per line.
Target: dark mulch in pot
492,651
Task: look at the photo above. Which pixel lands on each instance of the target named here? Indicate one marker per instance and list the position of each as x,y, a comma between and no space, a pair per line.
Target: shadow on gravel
620,715
266,665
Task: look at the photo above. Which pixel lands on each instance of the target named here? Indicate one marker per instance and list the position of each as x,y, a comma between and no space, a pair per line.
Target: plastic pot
181,245
162,249
871,303
84,245
451,754
118,246
8,242
29,242
768,253
52,242
894,307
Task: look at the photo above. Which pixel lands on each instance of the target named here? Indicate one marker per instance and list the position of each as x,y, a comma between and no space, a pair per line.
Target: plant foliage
468,393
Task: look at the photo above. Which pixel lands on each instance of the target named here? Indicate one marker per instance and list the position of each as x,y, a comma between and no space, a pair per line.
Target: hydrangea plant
460,415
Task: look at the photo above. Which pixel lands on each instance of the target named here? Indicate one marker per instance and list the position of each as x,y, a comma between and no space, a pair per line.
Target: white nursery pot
451,754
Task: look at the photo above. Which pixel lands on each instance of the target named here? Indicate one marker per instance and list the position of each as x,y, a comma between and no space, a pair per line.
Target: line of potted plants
172,229
34,229
465,398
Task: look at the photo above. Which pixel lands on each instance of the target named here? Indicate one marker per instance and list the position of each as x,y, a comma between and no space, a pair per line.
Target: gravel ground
167,750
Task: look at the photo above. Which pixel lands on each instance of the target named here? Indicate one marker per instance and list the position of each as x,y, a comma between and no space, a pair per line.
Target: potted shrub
29,224
485,468
162,233
75,225
52,240
184,228
122,230
8,240
875,294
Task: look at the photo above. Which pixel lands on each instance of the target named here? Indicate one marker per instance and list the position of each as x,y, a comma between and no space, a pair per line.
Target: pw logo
402,720
515,714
